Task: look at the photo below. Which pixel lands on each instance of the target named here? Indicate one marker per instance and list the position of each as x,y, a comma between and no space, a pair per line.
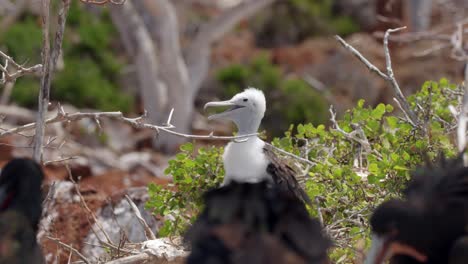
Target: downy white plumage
252,160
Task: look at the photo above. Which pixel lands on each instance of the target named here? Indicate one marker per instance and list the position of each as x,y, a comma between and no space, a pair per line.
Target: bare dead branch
9,77
358,55
137,122
148,232
103,2
70,248
389,76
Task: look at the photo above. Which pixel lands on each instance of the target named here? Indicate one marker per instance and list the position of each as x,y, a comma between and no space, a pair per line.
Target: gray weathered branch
49,60
388,76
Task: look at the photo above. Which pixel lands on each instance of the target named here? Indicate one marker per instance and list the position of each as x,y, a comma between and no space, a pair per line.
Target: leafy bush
304,104
193,173
89,78
347,180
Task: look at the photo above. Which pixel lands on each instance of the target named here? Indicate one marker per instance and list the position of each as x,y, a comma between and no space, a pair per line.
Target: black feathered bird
253,223
429,225
20,212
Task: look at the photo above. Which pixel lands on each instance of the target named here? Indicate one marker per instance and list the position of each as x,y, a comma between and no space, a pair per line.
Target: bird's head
395,226
246,109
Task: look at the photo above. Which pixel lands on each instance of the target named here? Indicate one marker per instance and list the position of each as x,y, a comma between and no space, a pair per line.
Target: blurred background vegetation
91,64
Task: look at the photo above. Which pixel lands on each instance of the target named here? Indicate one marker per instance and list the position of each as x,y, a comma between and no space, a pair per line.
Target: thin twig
70,248
391,78
85,205
8,77
290,154
148,232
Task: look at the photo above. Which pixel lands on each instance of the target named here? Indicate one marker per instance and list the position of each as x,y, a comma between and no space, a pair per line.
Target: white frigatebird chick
252,223
430,224
251,159
20,212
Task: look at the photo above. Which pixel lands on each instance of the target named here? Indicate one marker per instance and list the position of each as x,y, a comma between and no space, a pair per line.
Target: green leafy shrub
304,104
91,67
347,179
193,173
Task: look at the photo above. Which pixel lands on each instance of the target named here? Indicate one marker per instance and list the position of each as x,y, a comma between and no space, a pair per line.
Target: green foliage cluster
91,68
347,180
193,172
300,19
304,104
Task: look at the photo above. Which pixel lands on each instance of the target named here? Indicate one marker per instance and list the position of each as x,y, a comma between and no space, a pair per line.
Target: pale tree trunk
199,52
167,80
172,70
140,46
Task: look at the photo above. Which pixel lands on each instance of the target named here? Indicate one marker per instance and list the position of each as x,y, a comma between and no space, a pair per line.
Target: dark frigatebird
429,224
247,223
20,212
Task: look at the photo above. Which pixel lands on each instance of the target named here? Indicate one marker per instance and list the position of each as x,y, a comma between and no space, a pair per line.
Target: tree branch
389,76
49,60
8,77
137,122
45,82
68,247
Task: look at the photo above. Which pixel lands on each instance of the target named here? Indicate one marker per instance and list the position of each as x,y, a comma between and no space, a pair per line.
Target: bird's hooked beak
232,106
383,248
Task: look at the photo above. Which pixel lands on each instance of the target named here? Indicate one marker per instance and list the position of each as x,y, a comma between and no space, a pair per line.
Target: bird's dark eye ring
245,100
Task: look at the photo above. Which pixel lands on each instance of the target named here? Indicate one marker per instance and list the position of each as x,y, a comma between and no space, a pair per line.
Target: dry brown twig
388,76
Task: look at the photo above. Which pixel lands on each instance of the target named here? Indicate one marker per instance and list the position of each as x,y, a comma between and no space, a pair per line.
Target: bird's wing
283,175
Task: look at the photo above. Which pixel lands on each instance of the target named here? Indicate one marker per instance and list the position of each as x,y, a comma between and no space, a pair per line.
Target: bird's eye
245,100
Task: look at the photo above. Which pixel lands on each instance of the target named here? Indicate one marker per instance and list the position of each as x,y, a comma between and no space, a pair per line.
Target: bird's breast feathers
245,161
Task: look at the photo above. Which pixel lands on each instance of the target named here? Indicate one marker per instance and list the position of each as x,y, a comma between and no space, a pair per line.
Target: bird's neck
248,126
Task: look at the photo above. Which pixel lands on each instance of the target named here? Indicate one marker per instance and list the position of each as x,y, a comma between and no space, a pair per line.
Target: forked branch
388,76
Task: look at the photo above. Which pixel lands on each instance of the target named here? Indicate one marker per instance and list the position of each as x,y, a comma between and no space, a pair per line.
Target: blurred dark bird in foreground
251,159
252,223
20,212
430,224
